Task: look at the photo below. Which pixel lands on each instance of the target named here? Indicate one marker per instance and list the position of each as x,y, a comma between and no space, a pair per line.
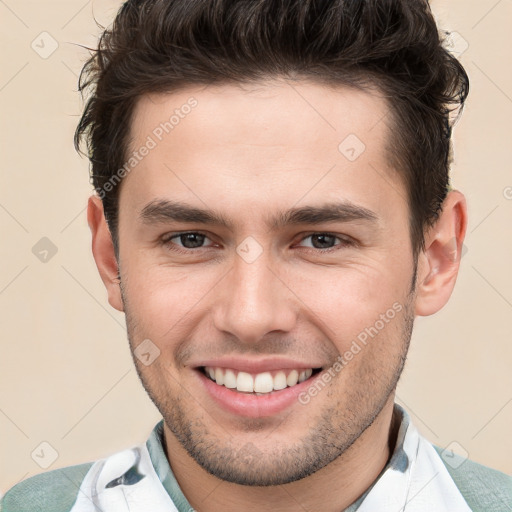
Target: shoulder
484,488
54,490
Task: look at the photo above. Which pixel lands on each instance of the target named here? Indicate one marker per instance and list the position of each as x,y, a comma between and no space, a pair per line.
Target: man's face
269,294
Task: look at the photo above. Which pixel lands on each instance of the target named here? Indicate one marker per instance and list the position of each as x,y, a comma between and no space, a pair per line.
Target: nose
254,301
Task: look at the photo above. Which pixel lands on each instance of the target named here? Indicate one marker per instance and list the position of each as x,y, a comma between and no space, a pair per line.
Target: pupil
322,239
195,238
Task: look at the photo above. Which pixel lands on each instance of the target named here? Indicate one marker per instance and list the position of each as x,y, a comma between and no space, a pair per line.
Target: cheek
163,300
374,354
168,302
349,300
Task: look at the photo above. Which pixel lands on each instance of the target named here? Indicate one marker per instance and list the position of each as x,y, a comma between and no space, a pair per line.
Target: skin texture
249,153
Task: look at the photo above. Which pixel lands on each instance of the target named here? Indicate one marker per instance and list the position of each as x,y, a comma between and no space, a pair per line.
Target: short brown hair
394,45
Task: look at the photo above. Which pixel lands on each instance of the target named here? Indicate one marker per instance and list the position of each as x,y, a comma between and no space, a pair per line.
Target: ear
103,251
438,264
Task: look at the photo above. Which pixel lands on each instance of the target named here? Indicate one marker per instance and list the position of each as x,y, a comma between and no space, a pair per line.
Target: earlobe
439,263
103,251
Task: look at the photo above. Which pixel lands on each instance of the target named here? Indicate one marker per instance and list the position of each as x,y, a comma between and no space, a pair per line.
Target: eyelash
167,242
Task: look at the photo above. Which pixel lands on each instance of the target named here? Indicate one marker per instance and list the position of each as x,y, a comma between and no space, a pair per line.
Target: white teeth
244,382
219,376
229,379
261,383
279,381
305,374
292,378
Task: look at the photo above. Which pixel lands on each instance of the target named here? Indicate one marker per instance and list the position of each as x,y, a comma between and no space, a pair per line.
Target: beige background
66,374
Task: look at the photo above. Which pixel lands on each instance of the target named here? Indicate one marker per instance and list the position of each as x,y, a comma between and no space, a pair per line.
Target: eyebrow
163,210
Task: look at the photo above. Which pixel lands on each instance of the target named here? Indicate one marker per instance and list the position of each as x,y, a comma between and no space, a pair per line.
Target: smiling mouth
259,383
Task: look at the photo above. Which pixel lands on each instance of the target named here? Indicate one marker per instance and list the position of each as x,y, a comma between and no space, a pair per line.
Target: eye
188,242
185,242
327,241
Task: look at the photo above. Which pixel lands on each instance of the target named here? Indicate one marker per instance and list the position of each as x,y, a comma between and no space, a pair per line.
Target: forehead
245,114
290,138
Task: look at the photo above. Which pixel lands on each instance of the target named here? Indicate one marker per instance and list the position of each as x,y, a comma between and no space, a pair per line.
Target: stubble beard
336,428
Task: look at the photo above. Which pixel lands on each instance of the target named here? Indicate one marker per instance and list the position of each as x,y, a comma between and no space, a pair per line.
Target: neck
354,472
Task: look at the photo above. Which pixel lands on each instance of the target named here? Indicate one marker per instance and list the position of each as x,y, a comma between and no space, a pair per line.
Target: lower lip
254,406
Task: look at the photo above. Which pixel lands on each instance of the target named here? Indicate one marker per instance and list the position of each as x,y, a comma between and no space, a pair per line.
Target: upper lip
256,365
